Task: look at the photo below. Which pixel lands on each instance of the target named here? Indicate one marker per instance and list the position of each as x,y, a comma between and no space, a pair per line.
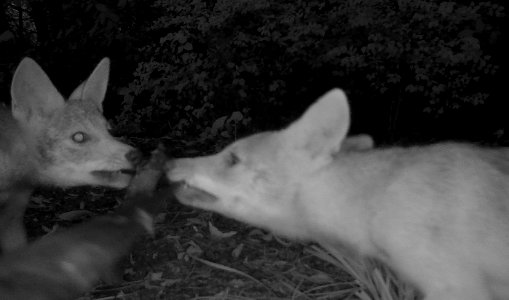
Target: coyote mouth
131,172
188,193
113,174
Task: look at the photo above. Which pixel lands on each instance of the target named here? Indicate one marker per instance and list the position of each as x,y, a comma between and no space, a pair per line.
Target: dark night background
415,71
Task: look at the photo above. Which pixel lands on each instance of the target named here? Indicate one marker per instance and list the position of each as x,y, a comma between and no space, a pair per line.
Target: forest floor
195,254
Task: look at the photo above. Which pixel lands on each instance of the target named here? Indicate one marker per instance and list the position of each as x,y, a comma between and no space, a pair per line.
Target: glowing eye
232,159
79,137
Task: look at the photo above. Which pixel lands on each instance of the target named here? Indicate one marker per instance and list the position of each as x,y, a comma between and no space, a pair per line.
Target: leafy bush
256,59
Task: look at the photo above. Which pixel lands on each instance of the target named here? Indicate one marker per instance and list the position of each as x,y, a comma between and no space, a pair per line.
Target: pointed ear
94,88
321,130
361,142
32,93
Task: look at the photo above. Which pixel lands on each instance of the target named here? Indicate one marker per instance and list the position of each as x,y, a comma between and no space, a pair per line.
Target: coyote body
438,215
46,140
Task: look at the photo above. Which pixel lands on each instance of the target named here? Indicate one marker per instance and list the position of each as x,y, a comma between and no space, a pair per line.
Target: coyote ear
322,128
32,93
94,88
361,142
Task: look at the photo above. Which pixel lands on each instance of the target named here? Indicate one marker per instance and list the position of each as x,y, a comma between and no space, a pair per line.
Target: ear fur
32,92
320,131
94,88
361,142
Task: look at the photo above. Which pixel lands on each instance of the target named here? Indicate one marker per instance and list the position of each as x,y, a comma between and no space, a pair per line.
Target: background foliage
209,70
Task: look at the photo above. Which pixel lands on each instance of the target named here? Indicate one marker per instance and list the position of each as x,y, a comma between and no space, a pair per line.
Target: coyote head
259,179
68,142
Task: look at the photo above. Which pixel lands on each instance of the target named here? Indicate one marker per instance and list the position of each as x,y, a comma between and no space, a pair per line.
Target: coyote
438,215
46,140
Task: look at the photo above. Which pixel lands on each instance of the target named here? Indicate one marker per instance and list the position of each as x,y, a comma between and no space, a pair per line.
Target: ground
195,254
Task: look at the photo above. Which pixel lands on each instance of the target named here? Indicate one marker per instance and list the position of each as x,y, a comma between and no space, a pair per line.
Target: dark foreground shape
69,263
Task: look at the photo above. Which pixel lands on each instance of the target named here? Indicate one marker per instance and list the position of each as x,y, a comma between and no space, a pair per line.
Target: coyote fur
46,140
438,215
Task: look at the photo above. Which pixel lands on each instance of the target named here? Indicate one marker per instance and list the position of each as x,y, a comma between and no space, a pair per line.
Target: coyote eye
232,159
79,137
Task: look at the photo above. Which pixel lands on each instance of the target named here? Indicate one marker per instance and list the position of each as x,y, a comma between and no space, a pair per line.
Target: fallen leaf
218,234
236,252
74,215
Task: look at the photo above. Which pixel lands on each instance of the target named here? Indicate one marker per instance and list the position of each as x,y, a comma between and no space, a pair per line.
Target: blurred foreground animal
46,140
69,263
438,215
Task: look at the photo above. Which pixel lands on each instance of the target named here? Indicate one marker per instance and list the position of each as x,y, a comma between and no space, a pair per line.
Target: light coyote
438,215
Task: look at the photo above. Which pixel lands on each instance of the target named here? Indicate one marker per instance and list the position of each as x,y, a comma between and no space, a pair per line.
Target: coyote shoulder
438,215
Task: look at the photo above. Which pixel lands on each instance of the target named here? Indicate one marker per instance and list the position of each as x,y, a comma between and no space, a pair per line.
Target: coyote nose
134,156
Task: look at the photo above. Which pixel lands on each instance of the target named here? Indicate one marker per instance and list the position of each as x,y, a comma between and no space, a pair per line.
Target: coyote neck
20,159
